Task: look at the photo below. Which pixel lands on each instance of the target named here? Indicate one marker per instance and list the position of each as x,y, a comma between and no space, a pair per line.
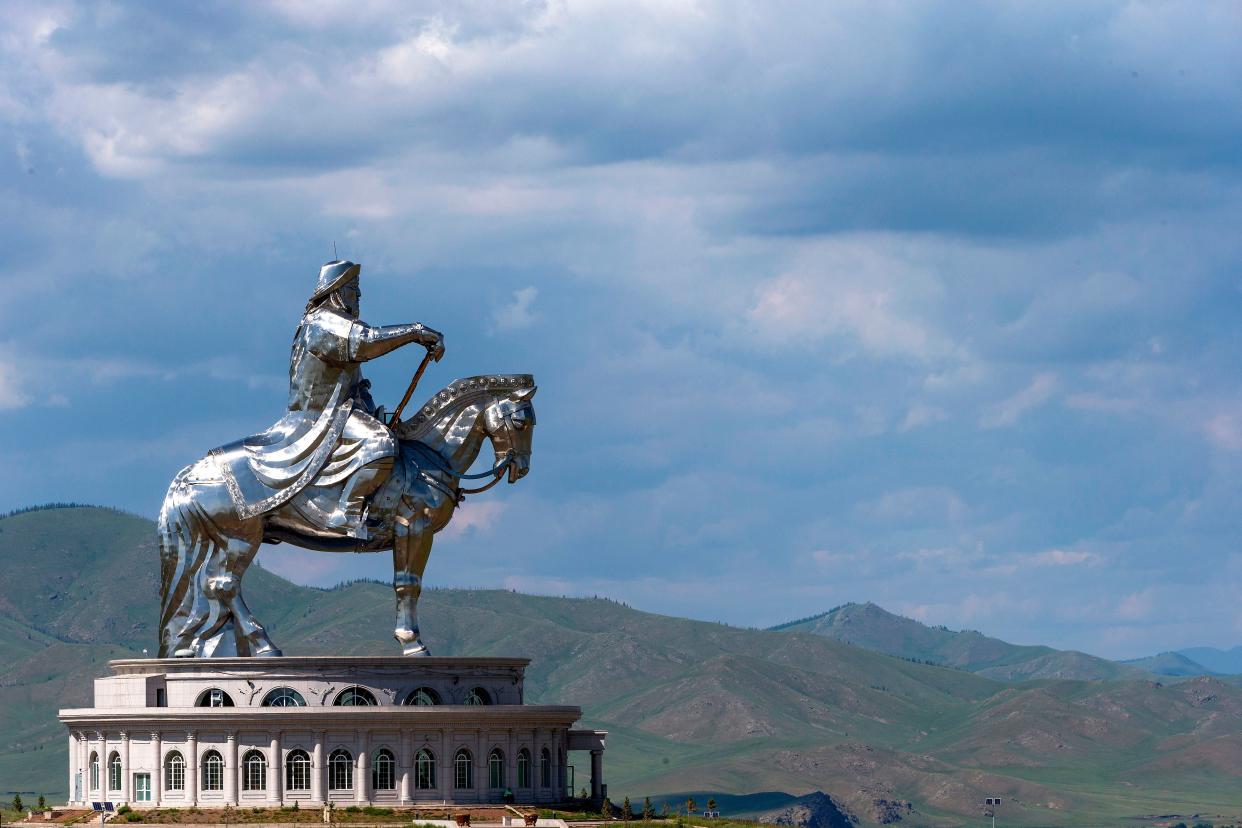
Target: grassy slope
871,627
690,705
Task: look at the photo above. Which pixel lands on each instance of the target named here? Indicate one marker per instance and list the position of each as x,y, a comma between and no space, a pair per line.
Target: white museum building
348,730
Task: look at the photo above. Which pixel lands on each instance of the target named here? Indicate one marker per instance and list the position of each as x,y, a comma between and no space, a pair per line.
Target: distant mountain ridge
689,705
1170,664
874,628
1225,662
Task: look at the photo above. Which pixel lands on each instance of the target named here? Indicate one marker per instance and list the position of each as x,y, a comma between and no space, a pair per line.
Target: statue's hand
437,348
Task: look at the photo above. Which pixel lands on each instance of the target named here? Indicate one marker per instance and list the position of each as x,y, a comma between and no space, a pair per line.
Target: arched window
114,771
523,768
94,771
174,771
423,697
215,697
463,770
297,771
545,768
383,771
355,697
425,770
254,771
284,697
340,770
478,695
496,768
213,771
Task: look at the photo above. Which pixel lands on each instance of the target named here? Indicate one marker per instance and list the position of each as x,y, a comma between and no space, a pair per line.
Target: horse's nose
521,465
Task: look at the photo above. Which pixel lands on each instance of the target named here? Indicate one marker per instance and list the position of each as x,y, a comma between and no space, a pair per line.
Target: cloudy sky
930,304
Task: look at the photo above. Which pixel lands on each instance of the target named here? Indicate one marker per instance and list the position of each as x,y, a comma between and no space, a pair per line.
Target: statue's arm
367,342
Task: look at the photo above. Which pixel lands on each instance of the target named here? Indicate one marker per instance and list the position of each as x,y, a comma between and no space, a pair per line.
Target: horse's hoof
416,648
185,652
270,652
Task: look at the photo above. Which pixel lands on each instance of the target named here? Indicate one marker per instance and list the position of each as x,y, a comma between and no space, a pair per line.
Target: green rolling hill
691,706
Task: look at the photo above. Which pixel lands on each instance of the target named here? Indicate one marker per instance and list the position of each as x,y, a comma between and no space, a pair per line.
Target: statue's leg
410,550
251,636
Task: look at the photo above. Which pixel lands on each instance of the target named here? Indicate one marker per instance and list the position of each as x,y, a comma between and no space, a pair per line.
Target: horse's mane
459,393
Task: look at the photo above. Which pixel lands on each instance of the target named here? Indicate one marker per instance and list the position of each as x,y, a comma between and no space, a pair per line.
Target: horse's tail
187,539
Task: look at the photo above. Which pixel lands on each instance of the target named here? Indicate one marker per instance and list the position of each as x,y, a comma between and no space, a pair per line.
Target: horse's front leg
252,638
410,550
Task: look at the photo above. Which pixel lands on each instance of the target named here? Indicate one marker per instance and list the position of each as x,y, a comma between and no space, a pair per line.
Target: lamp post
989,808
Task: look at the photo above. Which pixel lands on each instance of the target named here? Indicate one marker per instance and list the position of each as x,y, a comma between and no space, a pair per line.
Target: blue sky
930,304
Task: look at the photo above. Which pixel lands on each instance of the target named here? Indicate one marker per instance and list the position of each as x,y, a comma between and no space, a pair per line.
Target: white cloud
517,314
1063,557
1225,431
857,289
1008,411
1137,605
12,394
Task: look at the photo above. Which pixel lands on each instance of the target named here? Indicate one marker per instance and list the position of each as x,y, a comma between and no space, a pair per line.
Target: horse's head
509,423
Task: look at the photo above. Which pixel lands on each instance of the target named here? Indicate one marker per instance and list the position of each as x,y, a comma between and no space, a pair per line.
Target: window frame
383,757
296,763
209,698
94,770
115,774
282,696
523,769
358,691
211,771
545,768
478,696
254,779
496,769
424,770
433,697
174,771
463,770
340,765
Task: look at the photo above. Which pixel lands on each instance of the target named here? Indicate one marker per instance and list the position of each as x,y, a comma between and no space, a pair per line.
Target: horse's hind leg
252,638
410,550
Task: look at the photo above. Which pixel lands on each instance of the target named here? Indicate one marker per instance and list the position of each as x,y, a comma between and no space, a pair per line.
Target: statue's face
351,297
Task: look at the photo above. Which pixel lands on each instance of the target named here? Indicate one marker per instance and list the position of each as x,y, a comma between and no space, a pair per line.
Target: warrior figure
332,432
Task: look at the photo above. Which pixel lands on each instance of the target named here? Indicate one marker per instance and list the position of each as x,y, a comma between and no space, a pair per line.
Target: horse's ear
523,396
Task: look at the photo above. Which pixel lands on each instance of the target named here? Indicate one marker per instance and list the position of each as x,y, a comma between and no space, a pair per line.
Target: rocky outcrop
815,810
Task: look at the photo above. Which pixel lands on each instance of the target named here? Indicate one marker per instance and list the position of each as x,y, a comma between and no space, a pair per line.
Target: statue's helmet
333,276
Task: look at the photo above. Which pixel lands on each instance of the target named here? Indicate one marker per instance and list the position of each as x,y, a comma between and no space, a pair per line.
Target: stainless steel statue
331,475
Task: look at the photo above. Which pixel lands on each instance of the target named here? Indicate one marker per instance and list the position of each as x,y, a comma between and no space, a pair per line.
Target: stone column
157,768
362,770
319,787
126,781
597,776
102,753
230,770
274,779
404,760
73,763
191,768
510,765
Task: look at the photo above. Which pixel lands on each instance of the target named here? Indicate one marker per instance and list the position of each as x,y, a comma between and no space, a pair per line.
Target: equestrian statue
335,474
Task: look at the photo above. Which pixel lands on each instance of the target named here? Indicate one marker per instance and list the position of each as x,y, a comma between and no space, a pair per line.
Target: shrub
371,810
124,809
353,809
42,803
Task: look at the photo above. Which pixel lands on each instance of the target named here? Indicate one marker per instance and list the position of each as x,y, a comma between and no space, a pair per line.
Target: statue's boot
351,509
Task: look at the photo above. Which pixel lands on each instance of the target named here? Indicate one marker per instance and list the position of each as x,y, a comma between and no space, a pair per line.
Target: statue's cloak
324,437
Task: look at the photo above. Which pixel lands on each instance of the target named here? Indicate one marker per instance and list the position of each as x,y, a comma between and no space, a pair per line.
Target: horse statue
208,536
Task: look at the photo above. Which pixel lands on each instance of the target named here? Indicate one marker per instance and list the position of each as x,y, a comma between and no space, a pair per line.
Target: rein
458,494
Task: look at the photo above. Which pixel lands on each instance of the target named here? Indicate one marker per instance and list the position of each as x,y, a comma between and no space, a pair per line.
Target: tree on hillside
582,794
648,812
605,810
664,810
42,803
691,807
627,810
17,802
711,804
